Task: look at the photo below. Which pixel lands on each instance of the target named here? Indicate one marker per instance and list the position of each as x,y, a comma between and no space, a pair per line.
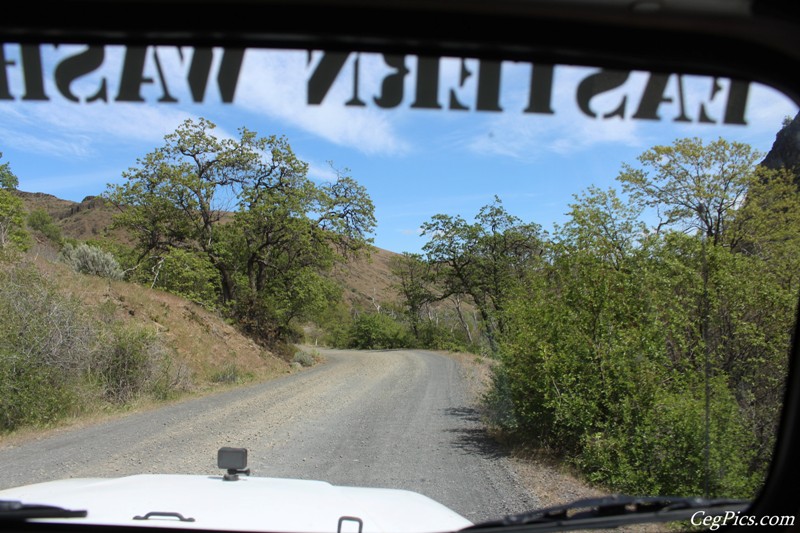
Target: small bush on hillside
129,359
13,238
30,393
39,220
41,325
90,260
230,373
44,340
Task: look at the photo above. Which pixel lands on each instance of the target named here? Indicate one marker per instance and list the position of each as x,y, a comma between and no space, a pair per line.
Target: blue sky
414,162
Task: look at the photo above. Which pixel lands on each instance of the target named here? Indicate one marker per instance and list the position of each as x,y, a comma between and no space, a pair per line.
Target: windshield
501,285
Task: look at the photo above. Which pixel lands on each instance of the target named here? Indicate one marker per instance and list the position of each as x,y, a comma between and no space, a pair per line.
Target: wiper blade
15,511
613,511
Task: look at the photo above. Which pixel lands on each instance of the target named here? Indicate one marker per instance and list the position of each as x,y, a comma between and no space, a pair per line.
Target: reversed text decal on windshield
133,76
487,79
601,94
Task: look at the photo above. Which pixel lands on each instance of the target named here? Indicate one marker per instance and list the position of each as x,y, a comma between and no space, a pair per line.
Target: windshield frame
601,34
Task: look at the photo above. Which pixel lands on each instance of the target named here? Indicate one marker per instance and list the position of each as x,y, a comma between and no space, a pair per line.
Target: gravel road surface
393,419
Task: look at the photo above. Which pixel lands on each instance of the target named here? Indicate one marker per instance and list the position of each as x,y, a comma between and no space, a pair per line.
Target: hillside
785,151
208,350
367,282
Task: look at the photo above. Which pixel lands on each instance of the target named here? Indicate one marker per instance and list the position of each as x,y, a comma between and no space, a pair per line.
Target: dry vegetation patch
118,346
202,341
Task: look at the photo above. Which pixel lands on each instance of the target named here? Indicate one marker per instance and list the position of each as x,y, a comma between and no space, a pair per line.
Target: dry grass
202,345
368,281
202,341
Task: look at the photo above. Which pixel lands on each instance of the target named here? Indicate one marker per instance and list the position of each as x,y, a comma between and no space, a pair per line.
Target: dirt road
394,419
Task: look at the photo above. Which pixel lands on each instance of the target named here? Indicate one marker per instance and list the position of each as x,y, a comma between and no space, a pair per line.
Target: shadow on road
471,436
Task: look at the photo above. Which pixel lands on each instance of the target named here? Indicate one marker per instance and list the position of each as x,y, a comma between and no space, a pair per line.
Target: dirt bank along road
393,419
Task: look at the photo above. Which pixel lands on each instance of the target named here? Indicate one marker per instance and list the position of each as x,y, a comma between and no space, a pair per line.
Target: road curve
395,419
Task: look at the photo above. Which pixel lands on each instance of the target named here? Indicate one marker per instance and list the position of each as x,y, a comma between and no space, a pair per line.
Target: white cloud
272,84
526,136
61,127
67,186
569,130
321,172
78,130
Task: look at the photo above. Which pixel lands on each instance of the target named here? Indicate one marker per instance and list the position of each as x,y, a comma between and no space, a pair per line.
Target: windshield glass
501,285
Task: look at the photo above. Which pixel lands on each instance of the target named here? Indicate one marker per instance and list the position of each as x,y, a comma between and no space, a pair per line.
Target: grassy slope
206,346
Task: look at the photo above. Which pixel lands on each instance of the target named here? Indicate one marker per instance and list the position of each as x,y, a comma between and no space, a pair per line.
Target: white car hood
249,504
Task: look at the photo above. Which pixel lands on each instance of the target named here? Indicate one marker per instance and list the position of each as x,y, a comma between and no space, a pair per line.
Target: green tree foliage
41,221
414,283
482,260
12,214
692,185
655,357
186,273
8,180
13,236
249,209
372,331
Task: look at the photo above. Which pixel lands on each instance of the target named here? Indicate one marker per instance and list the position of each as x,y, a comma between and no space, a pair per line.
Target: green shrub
172,378
665,452
37,322
336,322
371,331
30,394
230,373
185,273
57,357
44,342
498,403
41,221
12,219
438,337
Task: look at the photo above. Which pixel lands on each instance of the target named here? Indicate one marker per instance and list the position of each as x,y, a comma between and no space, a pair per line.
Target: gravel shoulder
551,482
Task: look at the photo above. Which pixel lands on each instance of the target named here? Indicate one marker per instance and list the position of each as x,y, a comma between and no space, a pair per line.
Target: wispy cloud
272,84
67,129
60,127
527,136
72,186
321,172
570,130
